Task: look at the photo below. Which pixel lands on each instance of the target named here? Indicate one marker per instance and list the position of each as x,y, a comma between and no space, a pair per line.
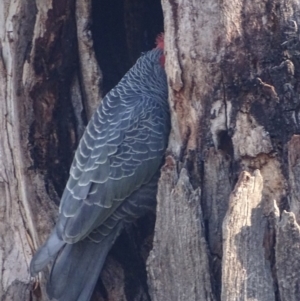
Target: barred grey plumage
113,179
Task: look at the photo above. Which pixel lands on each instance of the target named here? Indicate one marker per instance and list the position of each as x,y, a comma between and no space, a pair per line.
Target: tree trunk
228,206
228,214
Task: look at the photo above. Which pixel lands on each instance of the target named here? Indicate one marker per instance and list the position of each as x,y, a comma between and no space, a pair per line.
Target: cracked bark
228,214
233,75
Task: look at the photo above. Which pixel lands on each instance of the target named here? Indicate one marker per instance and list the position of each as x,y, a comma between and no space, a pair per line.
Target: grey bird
113,178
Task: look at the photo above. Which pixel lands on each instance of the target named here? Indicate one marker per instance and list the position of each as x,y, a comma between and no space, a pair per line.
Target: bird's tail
46,253
77,267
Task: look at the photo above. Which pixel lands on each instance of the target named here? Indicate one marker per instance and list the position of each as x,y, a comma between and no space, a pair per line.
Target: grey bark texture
234,94
228,213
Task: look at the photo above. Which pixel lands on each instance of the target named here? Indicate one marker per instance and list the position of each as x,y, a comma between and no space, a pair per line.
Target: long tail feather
76,270
46,253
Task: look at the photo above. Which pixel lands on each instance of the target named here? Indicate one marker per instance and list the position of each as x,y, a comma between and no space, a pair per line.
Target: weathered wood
288,257
246,274
294,175
232,70
179,246
216,191
16,19
90,72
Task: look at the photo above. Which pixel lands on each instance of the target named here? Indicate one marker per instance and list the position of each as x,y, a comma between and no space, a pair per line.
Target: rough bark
169,259
244,225
228,214
234,95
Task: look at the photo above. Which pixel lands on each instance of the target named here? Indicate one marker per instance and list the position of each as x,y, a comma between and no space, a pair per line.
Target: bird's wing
121,150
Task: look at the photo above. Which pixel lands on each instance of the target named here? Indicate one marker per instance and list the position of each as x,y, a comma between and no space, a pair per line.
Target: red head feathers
160,41
161,44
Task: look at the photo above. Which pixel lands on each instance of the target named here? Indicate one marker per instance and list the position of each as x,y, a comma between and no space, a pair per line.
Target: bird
112,180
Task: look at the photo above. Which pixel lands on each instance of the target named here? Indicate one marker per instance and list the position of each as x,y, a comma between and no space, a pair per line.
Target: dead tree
228,213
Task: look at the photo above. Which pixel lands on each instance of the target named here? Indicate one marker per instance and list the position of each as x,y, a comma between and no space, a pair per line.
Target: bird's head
160,44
